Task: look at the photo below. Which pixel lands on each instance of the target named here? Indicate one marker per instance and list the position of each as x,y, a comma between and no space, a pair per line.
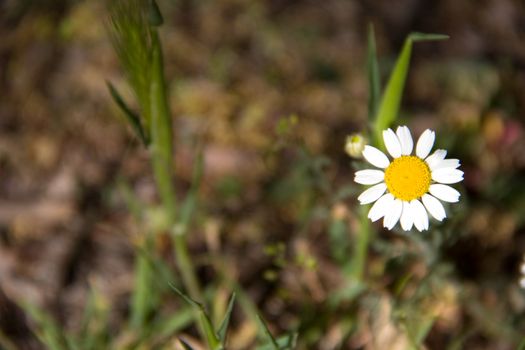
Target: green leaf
161,129
391,99
267,333
94,329
131,37
417,328
223,328
424,328
154,15
285,342
169,325
132,117
213,340
143,299
416,36
358,262
190,202
521,346
374,82
48,330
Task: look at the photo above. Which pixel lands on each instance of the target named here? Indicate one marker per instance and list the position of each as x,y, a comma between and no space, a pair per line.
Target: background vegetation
262,95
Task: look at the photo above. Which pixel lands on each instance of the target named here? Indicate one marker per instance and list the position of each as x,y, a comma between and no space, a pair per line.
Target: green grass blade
267,333
93,334
223,328
285,342
391,99
190,202
521,346
358,263
161,133
130,34
142,300
131,117
213,340
416,36
48,331
374,81
154,15
167,326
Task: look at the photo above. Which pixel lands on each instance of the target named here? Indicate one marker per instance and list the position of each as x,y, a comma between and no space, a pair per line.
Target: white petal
425,143
407,219
446,163
435,158
375,157
405,139
381,207
447,175
420,216
444,192
434,207
372,194
369,176
392,143
392,216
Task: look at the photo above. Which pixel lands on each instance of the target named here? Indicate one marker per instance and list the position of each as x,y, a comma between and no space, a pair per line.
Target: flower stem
162,158
361,247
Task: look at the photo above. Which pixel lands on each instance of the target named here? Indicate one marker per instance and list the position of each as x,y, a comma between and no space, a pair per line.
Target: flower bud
354,145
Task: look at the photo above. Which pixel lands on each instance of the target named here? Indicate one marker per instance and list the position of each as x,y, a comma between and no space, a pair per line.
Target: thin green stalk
162,150
186,267
136,40
161,134
361,246
141,299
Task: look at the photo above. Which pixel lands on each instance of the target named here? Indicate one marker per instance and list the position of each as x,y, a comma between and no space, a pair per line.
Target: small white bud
522,282
354,145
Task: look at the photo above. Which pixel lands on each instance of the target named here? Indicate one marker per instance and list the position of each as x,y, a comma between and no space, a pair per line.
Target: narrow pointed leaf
144,298
389,106
211,336
190,202
391,99
358,261
161,129
154,15
374,83
267,333
168,326
223,328
285,342
132,117
427,37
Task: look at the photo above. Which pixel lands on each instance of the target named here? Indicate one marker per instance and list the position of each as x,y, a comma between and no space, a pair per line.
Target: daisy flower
405,188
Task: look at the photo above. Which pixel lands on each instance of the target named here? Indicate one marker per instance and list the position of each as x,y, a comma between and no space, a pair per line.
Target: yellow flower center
407,177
